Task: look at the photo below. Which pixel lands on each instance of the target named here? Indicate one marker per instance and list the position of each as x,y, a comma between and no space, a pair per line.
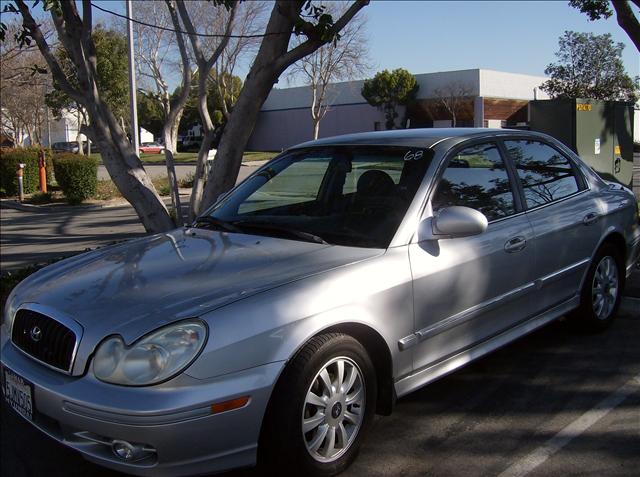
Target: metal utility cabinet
600,132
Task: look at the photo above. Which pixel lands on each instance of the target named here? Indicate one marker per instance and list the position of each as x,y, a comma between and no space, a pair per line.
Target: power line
207,35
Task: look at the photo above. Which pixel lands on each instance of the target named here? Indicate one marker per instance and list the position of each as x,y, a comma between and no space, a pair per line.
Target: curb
245,164
14,204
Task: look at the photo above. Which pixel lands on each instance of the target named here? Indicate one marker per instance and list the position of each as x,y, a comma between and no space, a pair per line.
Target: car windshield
353,196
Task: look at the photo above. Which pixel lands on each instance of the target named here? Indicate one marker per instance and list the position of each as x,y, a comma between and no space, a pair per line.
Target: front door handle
515,244
590,218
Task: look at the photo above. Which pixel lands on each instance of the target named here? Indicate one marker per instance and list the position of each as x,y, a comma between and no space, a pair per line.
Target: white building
491,99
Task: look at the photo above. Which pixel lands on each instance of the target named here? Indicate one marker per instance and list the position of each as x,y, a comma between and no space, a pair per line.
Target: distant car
343,274
94,147
151,148
65,147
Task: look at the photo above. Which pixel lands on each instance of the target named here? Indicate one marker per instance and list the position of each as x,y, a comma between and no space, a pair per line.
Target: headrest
375,182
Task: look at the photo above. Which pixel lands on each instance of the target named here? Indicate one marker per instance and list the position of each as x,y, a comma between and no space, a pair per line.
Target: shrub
77,176
41,198
186,181
9,160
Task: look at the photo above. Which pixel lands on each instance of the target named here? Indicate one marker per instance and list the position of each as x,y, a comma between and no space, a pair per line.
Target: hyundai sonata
343,274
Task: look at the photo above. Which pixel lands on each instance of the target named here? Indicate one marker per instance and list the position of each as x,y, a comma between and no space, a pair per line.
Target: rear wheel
320,408
601,293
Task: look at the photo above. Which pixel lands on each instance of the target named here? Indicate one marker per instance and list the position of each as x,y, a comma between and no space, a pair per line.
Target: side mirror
453,222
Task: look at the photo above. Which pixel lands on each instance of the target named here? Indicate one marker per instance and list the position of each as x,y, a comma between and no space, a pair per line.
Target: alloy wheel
605,288
333,410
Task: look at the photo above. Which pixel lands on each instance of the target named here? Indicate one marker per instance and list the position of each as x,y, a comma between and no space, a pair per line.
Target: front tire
601,292
320,409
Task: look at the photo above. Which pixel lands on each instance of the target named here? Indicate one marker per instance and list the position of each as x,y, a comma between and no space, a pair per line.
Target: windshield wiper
221,224
264,227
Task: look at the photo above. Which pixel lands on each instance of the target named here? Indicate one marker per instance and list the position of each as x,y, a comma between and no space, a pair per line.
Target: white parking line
577,427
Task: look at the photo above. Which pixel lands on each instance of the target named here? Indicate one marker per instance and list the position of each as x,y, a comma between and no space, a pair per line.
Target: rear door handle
590,219
515,244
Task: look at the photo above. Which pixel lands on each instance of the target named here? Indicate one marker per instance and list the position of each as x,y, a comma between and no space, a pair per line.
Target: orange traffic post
43,172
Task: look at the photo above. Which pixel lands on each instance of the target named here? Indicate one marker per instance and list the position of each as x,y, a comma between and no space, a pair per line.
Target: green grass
258,156
191,157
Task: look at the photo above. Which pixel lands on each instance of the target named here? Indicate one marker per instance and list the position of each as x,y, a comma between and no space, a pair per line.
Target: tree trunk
235,137
79,135
316,128
195,204
136,187
173,136
127,172
30,135
171,174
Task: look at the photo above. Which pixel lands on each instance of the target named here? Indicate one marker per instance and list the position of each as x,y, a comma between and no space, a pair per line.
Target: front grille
44,338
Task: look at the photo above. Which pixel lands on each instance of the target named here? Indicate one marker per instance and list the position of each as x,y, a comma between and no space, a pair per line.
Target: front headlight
153,358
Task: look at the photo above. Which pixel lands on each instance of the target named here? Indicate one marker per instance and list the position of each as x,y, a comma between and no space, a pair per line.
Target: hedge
9,160
77,176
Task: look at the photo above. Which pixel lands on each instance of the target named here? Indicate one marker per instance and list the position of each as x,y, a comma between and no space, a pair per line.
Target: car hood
132,288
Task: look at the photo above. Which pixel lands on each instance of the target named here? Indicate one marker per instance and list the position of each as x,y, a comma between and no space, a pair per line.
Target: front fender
272,326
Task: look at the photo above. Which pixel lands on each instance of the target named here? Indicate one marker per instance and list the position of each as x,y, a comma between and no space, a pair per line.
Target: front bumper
173,419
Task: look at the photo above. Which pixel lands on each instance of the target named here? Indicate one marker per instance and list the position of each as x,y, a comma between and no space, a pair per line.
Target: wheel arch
616,239
380,355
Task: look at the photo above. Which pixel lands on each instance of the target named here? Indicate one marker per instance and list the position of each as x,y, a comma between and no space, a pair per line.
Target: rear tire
601,293
328,389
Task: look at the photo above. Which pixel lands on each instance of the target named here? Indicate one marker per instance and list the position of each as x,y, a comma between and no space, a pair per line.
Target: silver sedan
343,274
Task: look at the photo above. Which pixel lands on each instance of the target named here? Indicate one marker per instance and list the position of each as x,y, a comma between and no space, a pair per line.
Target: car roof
426,137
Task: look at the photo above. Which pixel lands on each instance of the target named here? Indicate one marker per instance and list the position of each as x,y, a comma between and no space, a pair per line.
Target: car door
469,289
564,217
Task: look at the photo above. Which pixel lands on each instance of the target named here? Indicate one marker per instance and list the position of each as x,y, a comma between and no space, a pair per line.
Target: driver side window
477,177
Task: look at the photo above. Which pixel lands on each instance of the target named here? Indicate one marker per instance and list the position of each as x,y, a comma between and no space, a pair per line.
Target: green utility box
600,132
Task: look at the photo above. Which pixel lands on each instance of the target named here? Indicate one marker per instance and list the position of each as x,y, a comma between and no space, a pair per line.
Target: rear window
546,174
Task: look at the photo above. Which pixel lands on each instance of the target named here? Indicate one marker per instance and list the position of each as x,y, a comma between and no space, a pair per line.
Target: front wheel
320,408
601,293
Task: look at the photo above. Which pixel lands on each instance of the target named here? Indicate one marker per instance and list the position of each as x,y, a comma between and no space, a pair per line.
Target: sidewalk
34,234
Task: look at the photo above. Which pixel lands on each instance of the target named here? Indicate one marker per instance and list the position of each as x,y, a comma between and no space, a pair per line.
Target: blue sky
514,36
428,36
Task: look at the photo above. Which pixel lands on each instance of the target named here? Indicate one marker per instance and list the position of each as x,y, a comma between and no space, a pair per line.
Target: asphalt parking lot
552,403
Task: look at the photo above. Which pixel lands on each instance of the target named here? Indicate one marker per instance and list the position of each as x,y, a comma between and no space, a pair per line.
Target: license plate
18,392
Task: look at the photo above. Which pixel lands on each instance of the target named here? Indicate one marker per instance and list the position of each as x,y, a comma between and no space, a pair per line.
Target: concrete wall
347,92
277,130
430,83
498,84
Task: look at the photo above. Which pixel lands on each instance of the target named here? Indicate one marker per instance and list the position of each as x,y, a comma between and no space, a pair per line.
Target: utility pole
135,141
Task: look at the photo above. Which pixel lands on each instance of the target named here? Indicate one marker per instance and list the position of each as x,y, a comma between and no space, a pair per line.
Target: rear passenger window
545,173
476,177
